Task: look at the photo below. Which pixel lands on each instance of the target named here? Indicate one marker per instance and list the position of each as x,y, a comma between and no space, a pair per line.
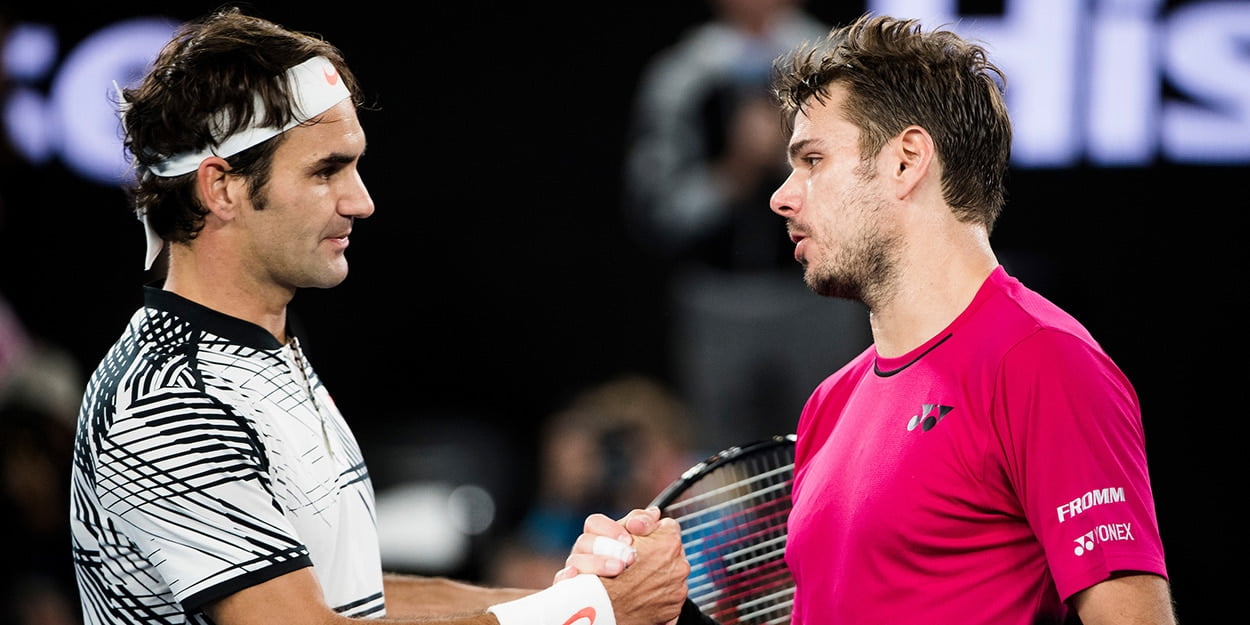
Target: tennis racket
732,508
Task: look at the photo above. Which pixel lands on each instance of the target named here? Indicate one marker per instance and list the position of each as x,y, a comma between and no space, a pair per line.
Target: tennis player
214,480
983,462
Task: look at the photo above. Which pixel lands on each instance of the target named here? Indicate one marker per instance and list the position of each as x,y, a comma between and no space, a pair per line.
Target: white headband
316,87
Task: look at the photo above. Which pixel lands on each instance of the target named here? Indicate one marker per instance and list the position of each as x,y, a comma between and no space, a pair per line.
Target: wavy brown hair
218,63
897,75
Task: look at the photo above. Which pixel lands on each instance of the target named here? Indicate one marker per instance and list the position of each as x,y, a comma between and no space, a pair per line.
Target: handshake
631,571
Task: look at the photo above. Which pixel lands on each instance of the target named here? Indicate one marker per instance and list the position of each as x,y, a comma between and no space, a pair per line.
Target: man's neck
263,305
937,286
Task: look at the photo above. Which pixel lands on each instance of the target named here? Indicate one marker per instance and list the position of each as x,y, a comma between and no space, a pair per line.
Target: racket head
732,508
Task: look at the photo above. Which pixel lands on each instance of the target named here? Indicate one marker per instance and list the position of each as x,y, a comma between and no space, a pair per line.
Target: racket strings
738,592
733,529
771,608
744,543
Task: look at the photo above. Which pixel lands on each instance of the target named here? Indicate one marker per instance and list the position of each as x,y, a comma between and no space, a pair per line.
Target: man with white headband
214,480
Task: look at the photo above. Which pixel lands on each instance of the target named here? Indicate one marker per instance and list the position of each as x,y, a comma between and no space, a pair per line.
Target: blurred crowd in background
460,496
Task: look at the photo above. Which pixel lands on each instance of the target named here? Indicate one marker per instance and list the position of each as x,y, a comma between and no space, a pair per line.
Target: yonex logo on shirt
1109,532
930,415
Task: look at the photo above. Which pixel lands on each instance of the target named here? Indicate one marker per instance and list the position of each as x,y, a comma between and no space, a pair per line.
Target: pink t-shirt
983,478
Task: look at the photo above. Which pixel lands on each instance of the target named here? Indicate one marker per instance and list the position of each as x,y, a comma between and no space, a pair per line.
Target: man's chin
328,278
827,286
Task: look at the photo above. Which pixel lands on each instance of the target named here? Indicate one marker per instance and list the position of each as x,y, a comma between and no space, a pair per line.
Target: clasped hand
644,571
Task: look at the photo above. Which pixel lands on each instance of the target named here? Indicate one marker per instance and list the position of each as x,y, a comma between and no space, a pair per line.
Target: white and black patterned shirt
209,458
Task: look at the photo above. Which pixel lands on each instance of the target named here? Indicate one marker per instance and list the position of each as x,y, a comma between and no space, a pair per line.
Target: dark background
496,277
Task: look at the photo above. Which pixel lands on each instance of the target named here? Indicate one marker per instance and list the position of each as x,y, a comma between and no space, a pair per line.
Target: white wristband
581,600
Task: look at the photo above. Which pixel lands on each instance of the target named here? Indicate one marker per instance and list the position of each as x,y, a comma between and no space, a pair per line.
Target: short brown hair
221,62
897,75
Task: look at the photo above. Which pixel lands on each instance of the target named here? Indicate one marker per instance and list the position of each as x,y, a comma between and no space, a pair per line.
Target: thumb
644,522
567,572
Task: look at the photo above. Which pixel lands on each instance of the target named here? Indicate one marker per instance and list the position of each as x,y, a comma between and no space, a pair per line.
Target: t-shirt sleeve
1076,457
188,478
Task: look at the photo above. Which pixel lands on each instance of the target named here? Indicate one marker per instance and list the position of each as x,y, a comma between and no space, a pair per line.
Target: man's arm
409,596
1132,599
651,591
296,598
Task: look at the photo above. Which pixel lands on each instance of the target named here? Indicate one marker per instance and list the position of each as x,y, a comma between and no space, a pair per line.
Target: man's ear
220,192
914,155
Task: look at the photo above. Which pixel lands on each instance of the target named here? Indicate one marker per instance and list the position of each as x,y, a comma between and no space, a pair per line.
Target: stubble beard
863,270
300,275
833,283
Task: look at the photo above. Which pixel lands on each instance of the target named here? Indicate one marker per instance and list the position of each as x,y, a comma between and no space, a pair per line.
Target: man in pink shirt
983,461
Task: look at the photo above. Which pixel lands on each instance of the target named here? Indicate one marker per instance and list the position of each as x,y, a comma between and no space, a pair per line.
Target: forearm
1129,599
410,596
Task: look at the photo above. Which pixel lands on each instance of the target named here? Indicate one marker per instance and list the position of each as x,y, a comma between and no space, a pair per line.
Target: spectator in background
704,153
39,391
612,449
